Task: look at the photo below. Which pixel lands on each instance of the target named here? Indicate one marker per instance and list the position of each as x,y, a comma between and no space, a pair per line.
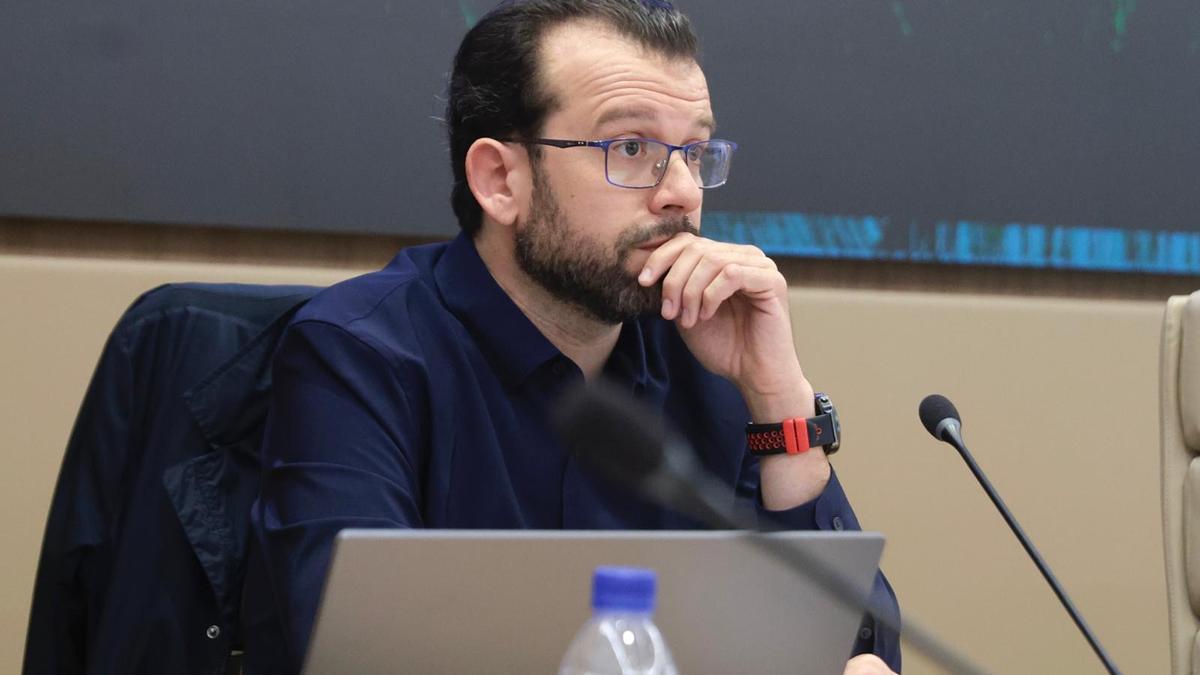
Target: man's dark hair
495,90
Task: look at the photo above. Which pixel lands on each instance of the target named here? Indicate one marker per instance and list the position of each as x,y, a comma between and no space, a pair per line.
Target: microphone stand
697,496
949,433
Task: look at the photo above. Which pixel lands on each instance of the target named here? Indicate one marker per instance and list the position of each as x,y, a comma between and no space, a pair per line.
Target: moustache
667,228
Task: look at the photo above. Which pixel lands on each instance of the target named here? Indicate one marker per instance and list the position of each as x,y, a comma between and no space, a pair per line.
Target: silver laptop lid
464,601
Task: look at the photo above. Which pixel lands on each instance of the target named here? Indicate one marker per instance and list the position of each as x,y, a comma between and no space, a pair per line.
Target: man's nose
678,190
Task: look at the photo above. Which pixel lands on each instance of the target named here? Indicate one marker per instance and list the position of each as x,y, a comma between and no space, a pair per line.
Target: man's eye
630,148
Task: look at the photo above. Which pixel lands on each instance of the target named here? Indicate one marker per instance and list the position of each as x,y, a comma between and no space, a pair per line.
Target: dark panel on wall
312,115
1022,132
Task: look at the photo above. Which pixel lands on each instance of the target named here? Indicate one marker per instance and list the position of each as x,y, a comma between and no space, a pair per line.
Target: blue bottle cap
623,589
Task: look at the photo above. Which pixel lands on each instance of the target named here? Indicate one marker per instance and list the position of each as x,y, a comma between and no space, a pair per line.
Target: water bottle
620,638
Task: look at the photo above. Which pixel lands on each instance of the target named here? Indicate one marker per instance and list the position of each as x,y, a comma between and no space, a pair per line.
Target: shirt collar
511,342
514,346
628,360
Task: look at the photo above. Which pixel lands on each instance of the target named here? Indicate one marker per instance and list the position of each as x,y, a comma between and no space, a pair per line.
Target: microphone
942,421
621,441
609,433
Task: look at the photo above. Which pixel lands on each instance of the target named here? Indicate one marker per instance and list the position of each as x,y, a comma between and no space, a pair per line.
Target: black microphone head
610,433
934,409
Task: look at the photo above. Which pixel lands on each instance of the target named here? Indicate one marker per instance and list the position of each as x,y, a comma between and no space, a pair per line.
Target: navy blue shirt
419,396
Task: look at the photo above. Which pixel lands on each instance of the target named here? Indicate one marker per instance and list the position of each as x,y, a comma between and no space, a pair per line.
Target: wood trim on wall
157,242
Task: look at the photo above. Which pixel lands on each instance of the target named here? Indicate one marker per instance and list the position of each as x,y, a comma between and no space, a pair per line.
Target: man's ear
495,173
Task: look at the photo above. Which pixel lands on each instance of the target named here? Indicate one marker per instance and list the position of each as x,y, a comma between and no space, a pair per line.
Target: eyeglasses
641,163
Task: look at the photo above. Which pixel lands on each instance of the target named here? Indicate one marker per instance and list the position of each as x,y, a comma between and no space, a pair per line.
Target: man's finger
703,275
754,282
677,278
721,289
867,664
663,257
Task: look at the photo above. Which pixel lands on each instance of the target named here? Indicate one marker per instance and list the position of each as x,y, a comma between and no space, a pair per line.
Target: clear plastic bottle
620,638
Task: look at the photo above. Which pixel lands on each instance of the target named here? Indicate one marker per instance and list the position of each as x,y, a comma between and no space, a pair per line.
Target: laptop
505,601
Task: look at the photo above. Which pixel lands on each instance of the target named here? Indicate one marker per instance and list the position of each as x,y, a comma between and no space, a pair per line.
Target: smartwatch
796,435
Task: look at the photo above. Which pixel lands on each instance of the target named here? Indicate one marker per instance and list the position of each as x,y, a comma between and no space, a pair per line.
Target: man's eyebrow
706,122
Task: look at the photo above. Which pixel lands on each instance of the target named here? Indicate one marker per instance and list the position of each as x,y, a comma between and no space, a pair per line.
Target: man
419,395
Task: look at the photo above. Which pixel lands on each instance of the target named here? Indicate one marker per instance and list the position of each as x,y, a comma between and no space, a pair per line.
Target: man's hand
730,304
867,664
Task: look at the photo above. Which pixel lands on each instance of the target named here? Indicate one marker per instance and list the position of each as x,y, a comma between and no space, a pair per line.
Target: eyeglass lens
639,163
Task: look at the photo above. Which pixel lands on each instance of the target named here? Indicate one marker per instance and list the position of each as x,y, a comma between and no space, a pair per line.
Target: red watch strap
795,435
790,436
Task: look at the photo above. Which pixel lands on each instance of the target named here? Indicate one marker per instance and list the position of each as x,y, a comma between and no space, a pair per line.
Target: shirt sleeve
831,511
339,451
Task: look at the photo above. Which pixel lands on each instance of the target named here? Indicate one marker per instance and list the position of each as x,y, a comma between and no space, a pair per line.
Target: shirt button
213,632
864,633
837,523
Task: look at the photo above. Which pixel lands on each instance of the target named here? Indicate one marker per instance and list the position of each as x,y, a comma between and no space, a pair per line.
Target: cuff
830,510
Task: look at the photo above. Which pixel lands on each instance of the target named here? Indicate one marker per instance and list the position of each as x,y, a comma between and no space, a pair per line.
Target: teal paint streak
1122,11
906,28
468,14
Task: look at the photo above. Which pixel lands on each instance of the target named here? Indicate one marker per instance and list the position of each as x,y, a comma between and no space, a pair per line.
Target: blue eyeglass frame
603,145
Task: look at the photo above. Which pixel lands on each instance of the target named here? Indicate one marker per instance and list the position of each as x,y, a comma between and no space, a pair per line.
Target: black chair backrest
143,555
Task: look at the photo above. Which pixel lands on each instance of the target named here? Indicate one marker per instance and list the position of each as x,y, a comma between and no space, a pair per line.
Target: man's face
582,238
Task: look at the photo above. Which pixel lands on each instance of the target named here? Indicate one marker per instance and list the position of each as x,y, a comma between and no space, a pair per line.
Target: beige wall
1059,405
1059,399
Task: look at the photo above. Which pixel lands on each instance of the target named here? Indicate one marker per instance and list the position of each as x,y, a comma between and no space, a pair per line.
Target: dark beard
579,272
